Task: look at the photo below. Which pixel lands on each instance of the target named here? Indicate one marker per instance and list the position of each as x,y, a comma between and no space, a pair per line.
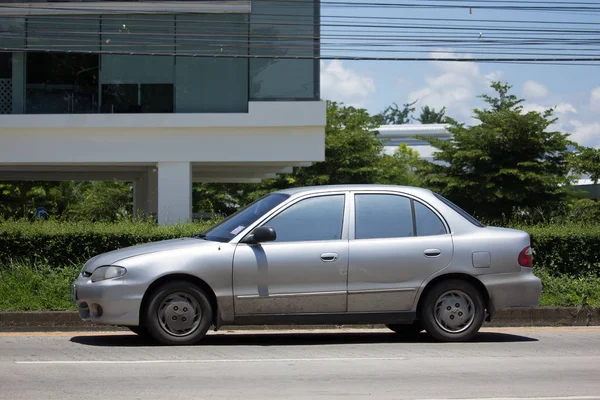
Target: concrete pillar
152,191
174,192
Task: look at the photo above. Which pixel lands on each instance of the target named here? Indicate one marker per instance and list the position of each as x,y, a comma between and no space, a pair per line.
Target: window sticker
237,230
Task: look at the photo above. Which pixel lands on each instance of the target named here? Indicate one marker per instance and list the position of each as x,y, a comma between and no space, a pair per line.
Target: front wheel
179,313
452,311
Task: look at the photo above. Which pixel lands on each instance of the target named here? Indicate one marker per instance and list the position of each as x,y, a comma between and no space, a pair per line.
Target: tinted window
317,218
428,224
383,216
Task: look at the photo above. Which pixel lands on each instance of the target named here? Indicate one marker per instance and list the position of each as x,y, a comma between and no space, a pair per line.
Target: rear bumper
522,289
108,302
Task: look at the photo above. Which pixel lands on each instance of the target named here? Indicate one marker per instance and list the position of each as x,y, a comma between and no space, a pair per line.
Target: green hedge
558,249
60,244
571,249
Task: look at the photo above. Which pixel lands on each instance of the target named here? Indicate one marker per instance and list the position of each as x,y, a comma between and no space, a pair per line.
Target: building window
137,98
62,83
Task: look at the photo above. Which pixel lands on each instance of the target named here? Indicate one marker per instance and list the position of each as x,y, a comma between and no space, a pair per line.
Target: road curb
56,321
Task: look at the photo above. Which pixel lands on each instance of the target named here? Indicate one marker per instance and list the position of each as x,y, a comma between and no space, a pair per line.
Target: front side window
316,218
380,216
235,223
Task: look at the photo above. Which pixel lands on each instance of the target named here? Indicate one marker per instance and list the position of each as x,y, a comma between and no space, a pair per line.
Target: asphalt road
553,364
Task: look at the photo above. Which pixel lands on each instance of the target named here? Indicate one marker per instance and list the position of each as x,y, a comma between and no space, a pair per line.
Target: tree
430,116
397,169
510,161
587,161
394,115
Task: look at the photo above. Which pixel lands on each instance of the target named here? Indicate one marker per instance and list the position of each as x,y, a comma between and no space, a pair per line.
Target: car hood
113,257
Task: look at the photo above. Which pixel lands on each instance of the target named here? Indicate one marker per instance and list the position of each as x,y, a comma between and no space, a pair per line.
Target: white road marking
252,360
528,398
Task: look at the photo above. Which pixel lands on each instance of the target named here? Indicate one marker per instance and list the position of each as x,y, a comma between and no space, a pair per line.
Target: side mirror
261,234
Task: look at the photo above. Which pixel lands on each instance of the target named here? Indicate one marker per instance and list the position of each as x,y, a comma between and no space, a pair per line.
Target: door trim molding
390,290
273,295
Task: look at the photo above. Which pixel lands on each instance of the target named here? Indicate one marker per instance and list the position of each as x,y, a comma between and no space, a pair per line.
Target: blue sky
573,90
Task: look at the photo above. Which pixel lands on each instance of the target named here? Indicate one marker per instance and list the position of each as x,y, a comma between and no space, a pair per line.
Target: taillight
526,257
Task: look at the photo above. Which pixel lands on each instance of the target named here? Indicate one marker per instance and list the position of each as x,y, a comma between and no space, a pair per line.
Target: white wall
270,131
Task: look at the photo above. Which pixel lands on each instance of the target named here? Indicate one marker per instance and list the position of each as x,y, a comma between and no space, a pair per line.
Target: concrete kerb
55,321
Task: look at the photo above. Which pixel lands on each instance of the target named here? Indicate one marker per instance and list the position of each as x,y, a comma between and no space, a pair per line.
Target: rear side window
380,216
459,210
428,223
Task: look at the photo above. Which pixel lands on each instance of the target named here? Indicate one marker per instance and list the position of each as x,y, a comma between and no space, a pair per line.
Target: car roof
332,188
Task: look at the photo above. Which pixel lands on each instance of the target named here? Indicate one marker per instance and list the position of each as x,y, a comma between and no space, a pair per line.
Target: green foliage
35,287
62,244
69,200
507,163
394,115
569,291
430,116
587,161
569,249
397,169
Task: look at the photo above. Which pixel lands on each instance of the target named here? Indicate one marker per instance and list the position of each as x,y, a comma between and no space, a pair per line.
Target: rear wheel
179,313
452,311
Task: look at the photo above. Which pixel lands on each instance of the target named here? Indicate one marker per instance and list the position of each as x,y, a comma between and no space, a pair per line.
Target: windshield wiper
199,236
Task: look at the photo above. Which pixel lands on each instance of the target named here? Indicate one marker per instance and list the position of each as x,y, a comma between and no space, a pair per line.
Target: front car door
304,270
396,242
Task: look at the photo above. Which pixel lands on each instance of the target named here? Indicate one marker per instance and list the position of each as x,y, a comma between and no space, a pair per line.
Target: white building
189,93
394,135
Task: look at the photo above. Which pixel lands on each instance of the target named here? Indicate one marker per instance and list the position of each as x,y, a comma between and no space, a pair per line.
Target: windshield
227,229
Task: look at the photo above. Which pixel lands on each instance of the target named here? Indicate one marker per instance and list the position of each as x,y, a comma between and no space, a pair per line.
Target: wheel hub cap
179,314
454,311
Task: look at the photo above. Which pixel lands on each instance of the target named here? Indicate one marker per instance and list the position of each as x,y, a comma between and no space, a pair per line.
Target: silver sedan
401,256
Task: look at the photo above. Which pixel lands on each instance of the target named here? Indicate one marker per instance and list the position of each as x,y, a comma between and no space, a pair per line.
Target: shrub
59,244
569,249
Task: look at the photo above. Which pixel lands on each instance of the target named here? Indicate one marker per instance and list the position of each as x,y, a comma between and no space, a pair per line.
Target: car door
396,242
304,270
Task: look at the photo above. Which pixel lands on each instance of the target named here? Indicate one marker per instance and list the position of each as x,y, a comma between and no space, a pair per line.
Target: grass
40,287
26,287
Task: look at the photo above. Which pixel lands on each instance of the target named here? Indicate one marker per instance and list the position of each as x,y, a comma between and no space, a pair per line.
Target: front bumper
506,291
108,302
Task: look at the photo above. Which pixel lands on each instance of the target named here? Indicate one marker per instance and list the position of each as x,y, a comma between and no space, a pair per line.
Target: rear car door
396,242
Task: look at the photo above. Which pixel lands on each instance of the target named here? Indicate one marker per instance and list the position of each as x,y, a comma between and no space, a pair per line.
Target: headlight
110,272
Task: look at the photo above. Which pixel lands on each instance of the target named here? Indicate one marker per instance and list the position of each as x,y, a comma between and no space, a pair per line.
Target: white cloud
534,90
595,99
455,85
560,109
587,134
345,85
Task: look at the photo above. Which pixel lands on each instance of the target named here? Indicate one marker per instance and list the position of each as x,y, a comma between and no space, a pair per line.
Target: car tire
408,331
179,313
452,311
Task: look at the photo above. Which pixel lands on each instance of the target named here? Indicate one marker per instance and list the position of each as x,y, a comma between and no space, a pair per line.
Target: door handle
432,252
329,257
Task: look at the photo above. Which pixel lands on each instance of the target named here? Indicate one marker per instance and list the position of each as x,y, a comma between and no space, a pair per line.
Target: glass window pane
280,29
317,218
59,83
428,224
5,65
120,99
157,98
382,216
